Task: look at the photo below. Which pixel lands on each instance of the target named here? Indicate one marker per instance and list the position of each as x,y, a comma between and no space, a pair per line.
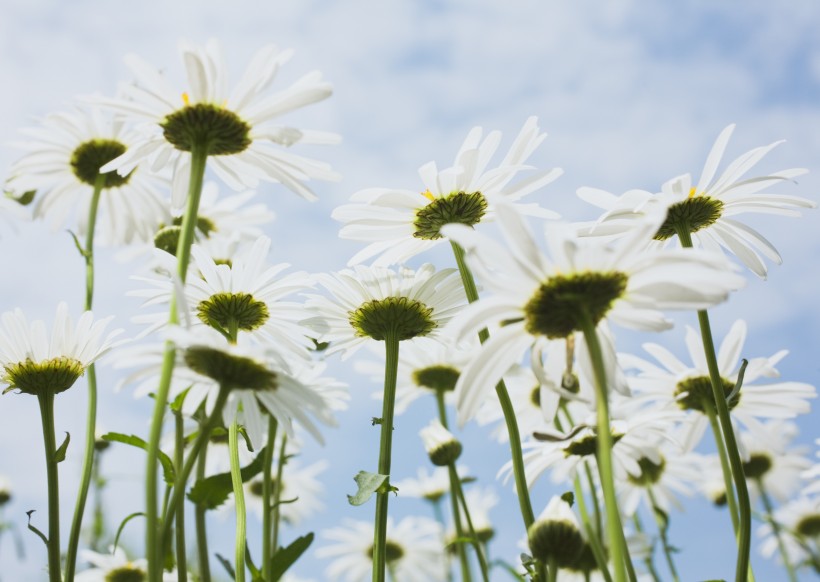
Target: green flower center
378,318
88,157
438,378
757,466
228,370
5,497
692,214
558,305
220,131
699,390
556,539
229,311
128,573
167,237
392,551
651,472
588,445
445,454
257,487
461,207
55,375
809,526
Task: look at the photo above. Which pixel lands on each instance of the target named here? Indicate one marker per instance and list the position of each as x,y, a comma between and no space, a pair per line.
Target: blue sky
632,93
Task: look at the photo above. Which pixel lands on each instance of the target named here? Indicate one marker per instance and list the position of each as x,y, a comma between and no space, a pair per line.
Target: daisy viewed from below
535,295
400,224
707,210
414,552
772,466
687,386
237,130
431,486
62,167
37,364
116,567
367,303
799,522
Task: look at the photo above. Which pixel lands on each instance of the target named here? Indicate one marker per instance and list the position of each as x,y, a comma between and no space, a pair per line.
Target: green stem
731,500
649,561
268,549
552,569
277,492
46,401
516,453
177,497
98,524
179,453
744,532
239,500
153,549
482,560
91,415
200,520
604,438
663,527
391,344
442,409
439,515
596,506
778,534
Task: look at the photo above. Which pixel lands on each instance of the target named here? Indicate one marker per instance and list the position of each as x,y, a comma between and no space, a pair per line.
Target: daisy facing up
237,130
707,210
400,224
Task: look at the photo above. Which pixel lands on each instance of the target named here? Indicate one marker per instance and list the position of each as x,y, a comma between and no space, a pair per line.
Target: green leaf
569,497
23,199
176,405
212,491
122,526
168,472
509,568
663,518
284,558
256,573
80,249
226,563
59,454
369,483
40,534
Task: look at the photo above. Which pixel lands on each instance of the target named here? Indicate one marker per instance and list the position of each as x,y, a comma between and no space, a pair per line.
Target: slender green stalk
439,515
203,557
179,453
744,532
153,549
649,561
778,534
604,438
268,549
592,538
662,530
98,523
552,569
177,497
46,401
516,453
239,500
596,506
482,560
391,367
91,415
442,409
277,492
728,485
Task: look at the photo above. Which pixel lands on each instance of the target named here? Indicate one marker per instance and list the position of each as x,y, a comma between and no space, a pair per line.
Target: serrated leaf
369,483
168,472
122,526
59,454
40,534
212,491
284,558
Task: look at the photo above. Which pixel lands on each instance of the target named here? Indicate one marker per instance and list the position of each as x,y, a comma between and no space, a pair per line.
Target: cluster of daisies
231,343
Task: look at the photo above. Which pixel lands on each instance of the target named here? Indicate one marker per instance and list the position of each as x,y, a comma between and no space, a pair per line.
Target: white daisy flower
431,486
771,461
260,383
238,128
812,475
116,567
555,536
400,224
707,210
34,364
536,295
423,370
368,302
684,386
64,160
480,501
799,522
414,552
301,495
246,296
442,447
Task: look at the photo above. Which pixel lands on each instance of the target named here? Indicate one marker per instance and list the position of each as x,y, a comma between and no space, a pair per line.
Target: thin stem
239,500
744,532
98,523
91,415
268,548
46,401
663,526
649,561
199,157
177,497
482,560
731,500
461,551
439,515
391,344
179,451
604,439
442,409
552,569
200,520
778,534
277,492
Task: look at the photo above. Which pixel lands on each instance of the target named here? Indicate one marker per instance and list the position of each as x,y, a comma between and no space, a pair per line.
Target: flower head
442,447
